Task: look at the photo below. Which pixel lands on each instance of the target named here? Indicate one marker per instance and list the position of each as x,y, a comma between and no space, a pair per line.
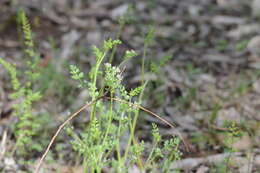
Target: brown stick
58,131
86,106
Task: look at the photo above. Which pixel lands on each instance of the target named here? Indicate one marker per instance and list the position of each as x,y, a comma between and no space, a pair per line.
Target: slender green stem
92,114
110,117
97,68
85,164
148,161
118,147
115,47
133,125
132,129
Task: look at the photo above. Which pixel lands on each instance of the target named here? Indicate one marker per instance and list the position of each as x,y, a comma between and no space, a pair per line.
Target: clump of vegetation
113,120
25,91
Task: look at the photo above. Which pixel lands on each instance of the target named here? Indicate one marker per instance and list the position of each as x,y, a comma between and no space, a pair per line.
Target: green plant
148,40
100,141
28,124
233,134
155,66
241,45
112,119
174,154
123,20
222,45
160,149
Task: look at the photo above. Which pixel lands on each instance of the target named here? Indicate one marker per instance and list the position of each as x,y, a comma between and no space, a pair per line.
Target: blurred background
208,77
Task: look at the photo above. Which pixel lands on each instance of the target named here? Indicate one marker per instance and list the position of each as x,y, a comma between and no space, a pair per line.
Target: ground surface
212,78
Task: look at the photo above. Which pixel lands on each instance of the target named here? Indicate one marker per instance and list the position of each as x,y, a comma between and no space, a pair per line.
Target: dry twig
59,130
86,106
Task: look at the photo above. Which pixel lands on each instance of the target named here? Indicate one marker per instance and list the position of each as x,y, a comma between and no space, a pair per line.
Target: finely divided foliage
112,123
28,124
